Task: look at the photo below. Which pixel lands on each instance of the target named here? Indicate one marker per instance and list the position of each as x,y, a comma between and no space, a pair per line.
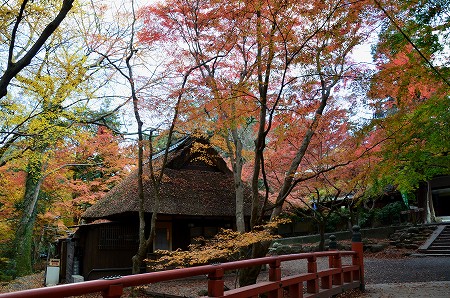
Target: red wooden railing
333,280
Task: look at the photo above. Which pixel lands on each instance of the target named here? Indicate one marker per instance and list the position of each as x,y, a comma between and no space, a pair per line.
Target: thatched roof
196,182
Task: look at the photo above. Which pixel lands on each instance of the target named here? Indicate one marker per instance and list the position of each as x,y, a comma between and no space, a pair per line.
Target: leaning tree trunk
24,233
288,182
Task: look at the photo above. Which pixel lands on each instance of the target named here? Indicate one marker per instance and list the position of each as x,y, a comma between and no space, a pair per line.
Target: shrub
390,213
7,272
386,215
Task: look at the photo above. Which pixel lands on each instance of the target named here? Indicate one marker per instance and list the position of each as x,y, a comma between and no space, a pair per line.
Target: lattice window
117,237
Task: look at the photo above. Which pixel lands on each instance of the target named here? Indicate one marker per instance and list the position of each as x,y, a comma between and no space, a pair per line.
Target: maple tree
224,246
411,89
147,95
99,160
260,61
332,174
74,173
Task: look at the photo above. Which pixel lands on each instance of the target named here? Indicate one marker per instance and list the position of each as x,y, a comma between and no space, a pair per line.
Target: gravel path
414,269
380,271
377,271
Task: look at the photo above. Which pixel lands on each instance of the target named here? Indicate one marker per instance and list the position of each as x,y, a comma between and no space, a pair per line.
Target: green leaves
418,148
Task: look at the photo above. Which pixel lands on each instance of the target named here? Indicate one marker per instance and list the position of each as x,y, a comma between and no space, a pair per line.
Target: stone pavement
432,289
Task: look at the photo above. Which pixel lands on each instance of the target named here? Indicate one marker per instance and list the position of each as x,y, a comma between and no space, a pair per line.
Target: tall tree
46,129
50,97
26,36
333,171
264,59
96,161
155,106
411,91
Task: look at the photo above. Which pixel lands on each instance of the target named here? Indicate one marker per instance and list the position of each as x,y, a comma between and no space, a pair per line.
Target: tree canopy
276,83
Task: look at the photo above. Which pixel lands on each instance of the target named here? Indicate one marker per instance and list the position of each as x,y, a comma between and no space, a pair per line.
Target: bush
366,218
337,221
390,213
7,272
386,215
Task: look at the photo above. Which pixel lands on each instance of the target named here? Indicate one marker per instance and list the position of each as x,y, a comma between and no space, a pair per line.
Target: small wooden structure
197,199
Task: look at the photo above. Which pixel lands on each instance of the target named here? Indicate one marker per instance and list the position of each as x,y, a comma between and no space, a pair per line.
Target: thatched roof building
196,182
197,200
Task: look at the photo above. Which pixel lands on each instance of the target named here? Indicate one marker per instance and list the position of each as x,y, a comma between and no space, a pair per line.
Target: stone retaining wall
410,237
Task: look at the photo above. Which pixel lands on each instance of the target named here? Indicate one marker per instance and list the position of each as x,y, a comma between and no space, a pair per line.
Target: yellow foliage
225,246
6,232
274,223
201,152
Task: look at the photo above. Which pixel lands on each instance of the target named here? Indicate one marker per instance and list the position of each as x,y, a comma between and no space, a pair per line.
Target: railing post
358,259
326,282
275,271
113,291
312,286
275,275
215,283
332,247
337,263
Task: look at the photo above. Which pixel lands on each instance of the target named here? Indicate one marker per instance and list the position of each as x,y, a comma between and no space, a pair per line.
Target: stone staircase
439,242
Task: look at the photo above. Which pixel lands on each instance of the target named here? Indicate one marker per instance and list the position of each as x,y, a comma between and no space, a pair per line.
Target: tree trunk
24,233
145,242
430,216
248,276
237,163
138,258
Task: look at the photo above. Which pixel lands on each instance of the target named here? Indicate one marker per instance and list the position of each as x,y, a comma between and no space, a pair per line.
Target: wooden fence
335,279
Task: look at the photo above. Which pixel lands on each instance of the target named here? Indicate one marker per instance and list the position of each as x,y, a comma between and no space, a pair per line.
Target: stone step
440,247
441,243
437,251
438,243
441,240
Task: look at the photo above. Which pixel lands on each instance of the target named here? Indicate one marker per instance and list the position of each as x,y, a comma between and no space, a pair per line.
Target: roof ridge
172,147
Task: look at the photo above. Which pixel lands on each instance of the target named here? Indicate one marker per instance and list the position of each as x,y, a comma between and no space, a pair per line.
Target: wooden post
312,286
358,259
215,283
275,271
296,290
326,282
275,275
337,263
113,291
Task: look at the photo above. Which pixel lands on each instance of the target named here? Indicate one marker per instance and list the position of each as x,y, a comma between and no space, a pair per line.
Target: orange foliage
403,78
11,192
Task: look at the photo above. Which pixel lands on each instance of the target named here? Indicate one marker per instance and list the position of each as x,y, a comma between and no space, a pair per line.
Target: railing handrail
104,285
